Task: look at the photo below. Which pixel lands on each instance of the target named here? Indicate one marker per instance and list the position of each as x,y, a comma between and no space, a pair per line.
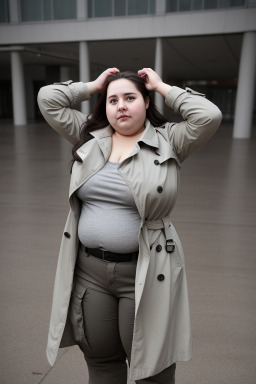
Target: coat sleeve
201,120
56,104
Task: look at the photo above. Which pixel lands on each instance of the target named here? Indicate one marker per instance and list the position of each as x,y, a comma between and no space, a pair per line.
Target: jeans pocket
76,315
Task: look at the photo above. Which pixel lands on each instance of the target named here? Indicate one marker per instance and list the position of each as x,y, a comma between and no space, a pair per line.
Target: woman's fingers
114,70
110,71
144,72
151,78
101,79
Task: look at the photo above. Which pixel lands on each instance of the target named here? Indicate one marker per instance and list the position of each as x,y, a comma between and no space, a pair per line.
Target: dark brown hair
98,118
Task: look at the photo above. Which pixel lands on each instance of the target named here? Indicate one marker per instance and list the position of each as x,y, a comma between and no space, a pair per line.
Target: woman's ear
147,102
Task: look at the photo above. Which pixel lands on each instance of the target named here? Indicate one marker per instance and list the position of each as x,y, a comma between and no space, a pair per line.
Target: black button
156,162
66,234
159,248
160,189
160,277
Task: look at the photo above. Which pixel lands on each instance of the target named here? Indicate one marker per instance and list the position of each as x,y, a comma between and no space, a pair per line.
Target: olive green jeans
102,317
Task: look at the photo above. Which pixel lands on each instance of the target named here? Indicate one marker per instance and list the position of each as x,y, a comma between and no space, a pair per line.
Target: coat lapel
162,148
94,154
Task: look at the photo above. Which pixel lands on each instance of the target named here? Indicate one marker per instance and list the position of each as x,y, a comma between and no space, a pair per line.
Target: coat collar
150,137
163,150
103,137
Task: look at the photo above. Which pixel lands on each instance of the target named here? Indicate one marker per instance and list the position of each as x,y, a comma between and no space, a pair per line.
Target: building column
245,88
81,9
160,7
14,11
84,70
18,89
159,70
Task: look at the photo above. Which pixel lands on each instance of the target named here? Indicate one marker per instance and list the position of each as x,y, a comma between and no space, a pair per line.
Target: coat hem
52,352
144,373
51,359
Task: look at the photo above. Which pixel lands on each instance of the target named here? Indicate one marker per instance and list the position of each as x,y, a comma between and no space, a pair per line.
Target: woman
120,290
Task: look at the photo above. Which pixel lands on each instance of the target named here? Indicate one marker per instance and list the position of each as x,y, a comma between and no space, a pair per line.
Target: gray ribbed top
109,217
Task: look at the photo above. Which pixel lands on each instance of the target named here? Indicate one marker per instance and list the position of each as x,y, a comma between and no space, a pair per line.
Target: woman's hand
98,84
153,81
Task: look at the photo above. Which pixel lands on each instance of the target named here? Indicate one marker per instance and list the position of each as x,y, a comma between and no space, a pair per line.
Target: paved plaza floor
215,217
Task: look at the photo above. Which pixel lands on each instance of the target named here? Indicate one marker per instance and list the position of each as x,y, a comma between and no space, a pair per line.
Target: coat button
159,248
160,277
156,162
66,234
159,189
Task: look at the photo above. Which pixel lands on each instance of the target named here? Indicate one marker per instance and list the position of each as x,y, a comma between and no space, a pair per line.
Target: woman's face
125,107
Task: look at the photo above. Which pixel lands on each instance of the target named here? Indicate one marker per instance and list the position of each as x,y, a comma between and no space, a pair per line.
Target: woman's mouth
123,117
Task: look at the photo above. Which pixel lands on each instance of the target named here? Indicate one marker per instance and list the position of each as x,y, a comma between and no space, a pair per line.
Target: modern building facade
208,45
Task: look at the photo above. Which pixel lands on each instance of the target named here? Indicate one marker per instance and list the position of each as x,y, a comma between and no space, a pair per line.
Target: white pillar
160,7
81,9
84,70
159,69
64,73
18,90
14,11
246,88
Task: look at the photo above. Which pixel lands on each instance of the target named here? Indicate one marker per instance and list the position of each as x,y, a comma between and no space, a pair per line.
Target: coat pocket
77,316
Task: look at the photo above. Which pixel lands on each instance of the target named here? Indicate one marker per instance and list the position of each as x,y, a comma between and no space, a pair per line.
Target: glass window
231,3
197,4
110,8
4,14
171,5
120,7
31,10
136,7
210,4
64,9
185,5
102,8
224,3
47,7
237,3
152,7
90,8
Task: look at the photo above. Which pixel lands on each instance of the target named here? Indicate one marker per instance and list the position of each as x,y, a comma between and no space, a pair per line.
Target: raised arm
56,103
201,117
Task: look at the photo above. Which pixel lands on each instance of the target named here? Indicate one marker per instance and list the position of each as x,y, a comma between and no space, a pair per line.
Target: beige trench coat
162,323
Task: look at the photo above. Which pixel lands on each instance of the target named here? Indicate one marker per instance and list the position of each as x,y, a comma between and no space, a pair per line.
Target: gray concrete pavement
215,217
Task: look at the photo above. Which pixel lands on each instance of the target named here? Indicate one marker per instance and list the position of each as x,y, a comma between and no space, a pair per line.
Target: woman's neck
122,145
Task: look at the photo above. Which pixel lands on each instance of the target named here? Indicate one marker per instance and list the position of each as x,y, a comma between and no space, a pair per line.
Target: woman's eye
113,101
130,98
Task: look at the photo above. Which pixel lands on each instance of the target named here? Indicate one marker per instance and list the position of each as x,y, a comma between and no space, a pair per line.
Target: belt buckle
170,246
105,255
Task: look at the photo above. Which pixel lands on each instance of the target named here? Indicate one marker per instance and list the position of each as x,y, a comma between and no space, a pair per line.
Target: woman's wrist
163,89
92,87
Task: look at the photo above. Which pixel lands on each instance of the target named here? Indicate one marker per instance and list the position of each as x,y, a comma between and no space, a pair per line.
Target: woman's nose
121,105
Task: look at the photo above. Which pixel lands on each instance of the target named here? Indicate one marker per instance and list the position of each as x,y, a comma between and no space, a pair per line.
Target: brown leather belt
110,256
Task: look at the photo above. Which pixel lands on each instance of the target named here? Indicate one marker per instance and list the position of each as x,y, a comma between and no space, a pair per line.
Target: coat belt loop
170,244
